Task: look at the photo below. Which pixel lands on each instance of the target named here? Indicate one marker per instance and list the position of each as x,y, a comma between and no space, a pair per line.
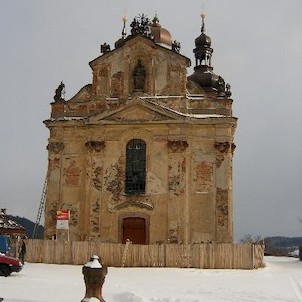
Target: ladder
41,209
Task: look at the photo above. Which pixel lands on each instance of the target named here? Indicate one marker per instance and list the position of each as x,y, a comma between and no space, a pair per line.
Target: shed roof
8,225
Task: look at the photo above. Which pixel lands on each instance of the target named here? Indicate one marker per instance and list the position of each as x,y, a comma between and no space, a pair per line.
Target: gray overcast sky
257,49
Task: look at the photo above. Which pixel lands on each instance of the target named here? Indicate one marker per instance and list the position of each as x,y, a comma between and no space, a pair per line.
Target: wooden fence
209,255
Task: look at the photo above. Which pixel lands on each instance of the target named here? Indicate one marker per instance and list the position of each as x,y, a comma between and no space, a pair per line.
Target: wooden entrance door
134,229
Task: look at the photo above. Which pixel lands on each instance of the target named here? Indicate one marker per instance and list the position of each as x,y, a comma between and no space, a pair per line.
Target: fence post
165,254
300,253
253,256
128,242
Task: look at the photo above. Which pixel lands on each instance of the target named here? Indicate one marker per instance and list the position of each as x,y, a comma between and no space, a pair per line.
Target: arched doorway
134,229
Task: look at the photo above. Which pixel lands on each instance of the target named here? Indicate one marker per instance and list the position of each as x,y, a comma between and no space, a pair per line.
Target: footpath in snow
280,280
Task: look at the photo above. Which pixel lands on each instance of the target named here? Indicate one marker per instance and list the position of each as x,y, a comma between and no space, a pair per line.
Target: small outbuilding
10,227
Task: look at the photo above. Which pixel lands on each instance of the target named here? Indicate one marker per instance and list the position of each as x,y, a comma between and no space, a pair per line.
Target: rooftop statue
176,46
59,93
105,48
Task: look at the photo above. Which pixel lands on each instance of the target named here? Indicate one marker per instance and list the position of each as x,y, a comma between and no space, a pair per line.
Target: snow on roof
207,115
150,100
7,223
190,115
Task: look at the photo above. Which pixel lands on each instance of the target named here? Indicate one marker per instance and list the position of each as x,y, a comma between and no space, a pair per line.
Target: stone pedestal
94,276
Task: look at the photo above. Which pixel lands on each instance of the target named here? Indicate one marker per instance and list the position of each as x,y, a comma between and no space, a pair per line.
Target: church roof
115,81
131,37
143,110
142,27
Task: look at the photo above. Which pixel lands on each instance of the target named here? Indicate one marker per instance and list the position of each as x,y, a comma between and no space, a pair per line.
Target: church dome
204,76
203,41
203,50
203,71
161,35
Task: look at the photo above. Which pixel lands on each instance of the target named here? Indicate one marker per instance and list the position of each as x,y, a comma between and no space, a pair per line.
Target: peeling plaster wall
176,182
93,192
165,71
90,182
203,184
224,202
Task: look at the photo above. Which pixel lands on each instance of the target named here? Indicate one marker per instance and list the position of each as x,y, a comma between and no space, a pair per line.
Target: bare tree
251,239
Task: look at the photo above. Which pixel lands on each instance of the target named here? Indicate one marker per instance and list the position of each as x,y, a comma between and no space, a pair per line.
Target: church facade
144,152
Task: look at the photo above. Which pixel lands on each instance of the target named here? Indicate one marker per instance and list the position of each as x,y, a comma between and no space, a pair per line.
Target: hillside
29,226
279,241
279,245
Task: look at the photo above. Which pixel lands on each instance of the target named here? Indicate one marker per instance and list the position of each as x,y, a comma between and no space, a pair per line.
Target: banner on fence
63,219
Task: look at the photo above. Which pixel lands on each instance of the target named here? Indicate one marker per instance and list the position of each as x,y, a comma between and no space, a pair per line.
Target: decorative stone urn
94,276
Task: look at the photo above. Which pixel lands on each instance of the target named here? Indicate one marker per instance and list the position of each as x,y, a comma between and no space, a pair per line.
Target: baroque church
144,153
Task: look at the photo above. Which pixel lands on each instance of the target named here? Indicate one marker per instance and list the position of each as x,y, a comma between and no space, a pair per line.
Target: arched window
135,167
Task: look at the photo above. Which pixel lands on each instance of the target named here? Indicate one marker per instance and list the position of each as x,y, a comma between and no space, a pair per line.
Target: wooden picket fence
208,255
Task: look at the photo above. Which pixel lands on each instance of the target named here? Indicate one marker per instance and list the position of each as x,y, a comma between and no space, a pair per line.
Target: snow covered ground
280,280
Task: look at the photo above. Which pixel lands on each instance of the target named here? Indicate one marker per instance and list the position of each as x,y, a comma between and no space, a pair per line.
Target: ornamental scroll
96,146
55,147
223,147
177,146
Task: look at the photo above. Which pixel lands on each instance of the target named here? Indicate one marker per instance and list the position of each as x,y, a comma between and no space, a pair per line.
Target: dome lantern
203,71
203,51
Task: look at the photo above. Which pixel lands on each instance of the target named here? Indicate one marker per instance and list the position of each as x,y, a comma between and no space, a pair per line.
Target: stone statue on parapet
228,92
176,46
59,93
105,48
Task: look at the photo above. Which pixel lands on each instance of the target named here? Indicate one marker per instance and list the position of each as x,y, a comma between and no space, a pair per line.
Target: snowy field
280,280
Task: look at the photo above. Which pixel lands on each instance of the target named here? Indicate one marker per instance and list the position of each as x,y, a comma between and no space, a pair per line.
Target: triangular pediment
136,111
141,45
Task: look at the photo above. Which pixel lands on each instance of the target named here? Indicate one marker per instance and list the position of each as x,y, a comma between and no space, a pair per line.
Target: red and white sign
63,215
63,219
